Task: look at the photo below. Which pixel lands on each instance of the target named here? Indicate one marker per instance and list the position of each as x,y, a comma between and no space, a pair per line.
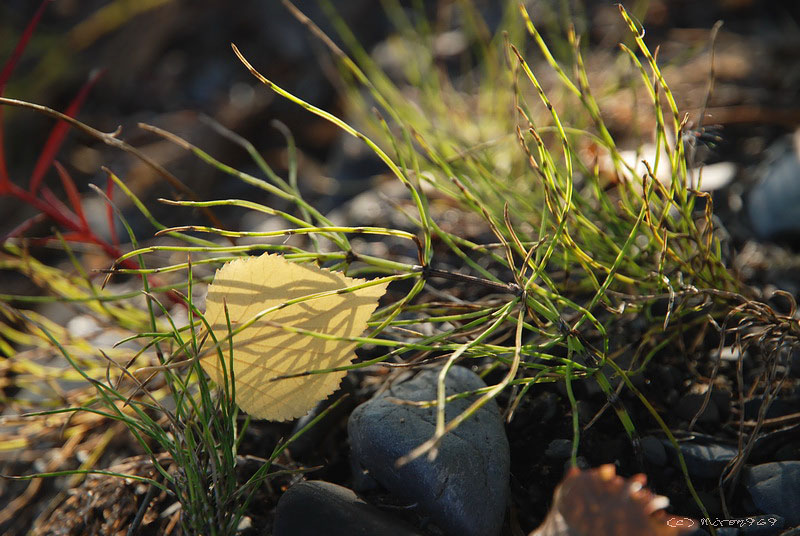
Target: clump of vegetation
574,254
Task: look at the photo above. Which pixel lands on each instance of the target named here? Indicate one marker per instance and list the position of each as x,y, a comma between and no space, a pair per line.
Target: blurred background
166,62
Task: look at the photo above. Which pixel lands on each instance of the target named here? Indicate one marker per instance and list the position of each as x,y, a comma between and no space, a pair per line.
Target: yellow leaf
264,351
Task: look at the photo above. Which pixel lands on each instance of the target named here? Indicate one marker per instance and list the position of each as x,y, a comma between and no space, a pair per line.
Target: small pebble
315,507
558,449
775,488
774,203
703,460
690,404
654,451
765,525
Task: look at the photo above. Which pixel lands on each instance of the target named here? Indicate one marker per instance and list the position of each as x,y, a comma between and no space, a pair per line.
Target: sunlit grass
575,254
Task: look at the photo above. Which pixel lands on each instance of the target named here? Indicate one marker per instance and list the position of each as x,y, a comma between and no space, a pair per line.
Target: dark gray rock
690,404
654,451
465,489
788,453
768,444
778,407
316,507
707,461
774,203
580,462
558,449
775,488
794,363
765,525
704,460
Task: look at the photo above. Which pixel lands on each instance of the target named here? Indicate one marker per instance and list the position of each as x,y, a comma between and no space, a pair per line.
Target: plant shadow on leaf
264,351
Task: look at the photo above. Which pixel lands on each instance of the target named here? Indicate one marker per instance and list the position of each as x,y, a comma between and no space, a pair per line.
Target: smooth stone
775,488
654,451
774,203
704,460
316,507
580,462
794,365
777,408
708,178
465,489
689,405
558,449
765,525
788,453
768,444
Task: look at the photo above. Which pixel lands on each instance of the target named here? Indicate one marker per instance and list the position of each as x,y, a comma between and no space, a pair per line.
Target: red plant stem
48,196
72,193
58,134
68,223
49,205
5,74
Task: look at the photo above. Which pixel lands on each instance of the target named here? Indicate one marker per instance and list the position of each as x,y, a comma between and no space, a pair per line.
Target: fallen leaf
265,351
598,501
